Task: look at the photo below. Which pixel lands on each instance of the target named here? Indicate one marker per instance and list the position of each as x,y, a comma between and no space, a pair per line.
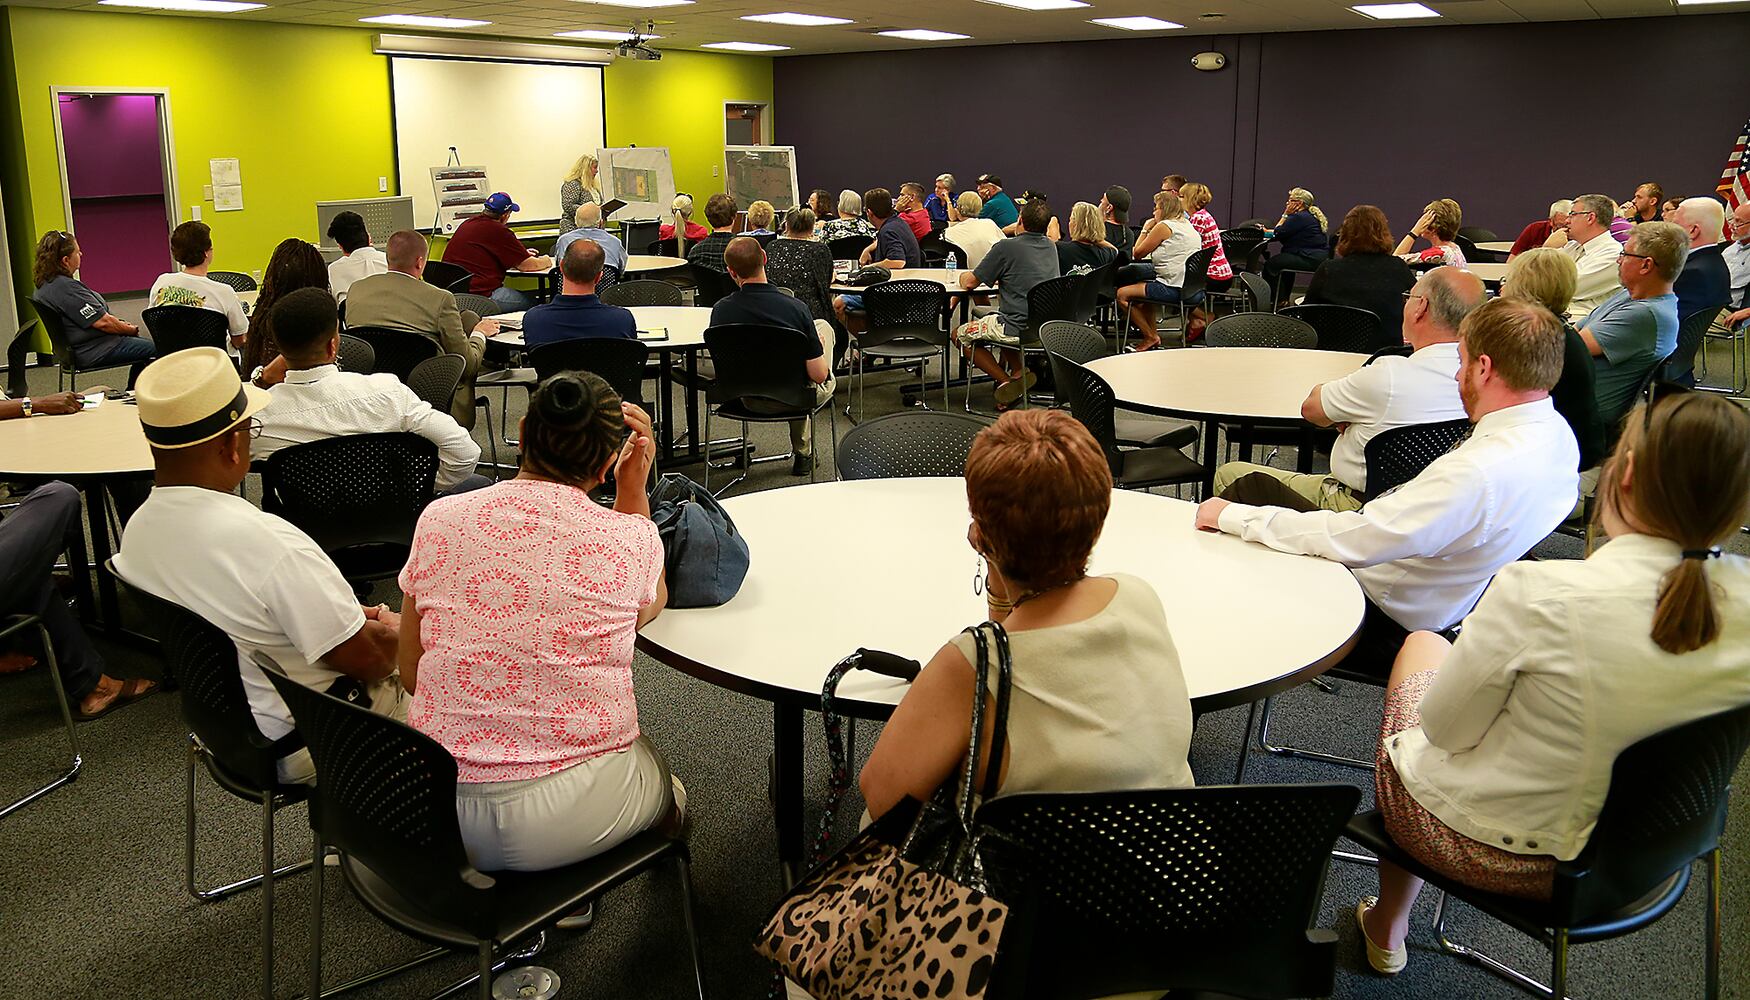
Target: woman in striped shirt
1221,274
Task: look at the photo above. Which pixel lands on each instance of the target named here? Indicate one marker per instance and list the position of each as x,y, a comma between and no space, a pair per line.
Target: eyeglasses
1625,253
1582,211
1658,391
255,427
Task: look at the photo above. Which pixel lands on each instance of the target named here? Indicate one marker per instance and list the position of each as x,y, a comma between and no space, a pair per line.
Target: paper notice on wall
227,197
226,172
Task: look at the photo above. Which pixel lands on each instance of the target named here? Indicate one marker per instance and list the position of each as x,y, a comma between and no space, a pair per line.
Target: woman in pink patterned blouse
1439,226
522,603
1221,273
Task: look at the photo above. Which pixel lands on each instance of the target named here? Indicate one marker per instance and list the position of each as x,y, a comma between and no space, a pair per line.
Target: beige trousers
1322,490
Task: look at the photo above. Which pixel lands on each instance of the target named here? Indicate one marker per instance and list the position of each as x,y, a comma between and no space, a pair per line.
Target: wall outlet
206,192
194,213
713,170
382,184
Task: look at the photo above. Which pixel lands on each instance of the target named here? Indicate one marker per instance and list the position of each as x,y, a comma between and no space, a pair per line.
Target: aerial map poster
761,173
640,176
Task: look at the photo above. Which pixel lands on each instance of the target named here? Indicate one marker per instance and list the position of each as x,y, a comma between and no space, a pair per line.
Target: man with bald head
1737,256
575,313
1390,392
759,303
589,227
1706,282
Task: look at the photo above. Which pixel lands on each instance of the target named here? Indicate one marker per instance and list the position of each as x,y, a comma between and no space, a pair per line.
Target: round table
87,449
641,263
1490,273
1495,246
776,639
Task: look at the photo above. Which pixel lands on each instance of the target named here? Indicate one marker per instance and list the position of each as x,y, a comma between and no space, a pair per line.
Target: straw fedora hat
193,395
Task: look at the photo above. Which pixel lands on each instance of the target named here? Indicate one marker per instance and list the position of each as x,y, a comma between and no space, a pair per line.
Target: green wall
306,109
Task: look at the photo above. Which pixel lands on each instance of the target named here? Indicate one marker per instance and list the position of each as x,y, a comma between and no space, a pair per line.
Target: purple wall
115,181
1491,115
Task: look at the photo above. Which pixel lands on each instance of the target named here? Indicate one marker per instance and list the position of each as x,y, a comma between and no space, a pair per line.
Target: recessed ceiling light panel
745,46
1136,23
597,35
923,35
200,6
1395,11
799,20
422,21
1039,4
638,3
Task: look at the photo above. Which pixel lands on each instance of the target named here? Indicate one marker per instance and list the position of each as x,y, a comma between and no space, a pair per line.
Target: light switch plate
713,170
382,184
206,192
194,212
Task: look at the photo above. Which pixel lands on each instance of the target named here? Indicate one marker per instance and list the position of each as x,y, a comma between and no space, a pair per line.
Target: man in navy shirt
895,246
576,313
760,303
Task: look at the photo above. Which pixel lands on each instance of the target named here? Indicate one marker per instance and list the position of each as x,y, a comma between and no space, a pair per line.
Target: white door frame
166,148
765,106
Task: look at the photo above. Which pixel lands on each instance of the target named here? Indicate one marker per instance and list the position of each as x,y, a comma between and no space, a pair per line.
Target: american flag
1735,179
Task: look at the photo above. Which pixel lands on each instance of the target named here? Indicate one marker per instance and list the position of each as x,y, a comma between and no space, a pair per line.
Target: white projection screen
526,123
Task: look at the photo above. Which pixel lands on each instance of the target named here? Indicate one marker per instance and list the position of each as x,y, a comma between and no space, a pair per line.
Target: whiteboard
527,123
640,176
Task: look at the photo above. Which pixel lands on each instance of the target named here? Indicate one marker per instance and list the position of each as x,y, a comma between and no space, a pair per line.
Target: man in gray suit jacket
402,300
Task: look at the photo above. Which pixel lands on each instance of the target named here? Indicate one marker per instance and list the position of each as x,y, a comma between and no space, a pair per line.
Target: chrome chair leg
268,872
1558,958
54,670
690,924
1265,745
1711,961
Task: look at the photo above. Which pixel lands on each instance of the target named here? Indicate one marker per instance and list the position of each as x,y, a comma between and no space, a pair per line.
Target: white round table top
638,262
1266,384
940,275
1496,246
912,592
1487,271
685,325
106,441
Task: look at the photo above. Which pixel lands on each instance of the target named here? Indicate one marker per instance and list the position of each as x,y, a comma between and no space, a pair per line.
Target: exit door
742,125
118,187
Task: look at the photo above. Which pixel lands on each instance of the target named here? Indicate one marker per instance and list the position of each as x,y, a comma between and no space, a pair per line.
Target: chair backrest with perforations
236,279
1196,275
1396,456
1342,328
1257,290
178,328
1477,234
386,796
620,363
903,309
1056,298
1092,402
1100,281
908,445
1690,332
1260,329
709,284
356,355
763,362
322,485
642,292
849,247
1212,888
396,351
1074,341
1666,807
479,305
56,327
444,274
435,380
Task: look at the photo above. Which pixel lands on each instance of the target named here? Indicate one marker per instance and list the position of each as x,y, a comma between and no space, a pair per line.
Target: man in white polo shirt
198,544
1587,239
359,258
192,245
1391,392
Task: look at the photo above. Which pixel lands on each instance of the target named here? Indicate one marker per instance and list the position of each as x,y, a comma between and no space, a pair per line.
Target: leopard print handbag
903,910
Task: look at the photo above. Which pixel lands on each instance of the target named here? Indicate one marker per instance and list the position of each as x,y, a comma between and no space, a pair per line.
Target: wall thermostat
1208,61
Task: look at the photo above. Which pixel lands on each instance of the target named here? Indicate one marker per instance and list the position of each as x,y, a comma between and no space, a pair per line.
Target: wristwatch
25,404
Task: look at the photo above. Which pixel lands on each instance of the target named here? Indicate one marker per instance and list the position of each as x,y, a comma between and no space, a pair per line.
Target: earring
980,578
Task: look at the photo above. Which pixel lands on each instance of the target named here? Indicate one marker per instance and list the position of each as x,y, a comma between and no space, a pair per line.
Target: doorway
744,124
118,184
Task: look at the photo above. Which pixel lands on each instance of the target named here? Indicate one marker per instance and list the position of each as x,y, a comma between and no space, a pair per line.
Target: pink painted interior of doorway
115,181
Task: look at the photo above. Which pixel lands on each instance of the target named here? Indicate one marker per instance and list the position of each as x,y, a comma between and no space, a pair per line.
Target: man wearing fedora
198,544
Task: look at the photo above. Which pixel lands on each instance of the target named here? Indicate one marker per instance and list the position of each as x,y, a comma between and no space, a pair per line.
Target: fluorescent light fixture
923,35
1699,3
201,6
422,21
639,3
1395,11
800,20
1136,23
744,46
597,35
1039,4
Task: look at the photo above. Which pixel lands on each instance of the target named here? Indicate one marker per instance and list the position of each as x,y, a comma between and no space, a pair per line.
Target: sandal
130,691
16,663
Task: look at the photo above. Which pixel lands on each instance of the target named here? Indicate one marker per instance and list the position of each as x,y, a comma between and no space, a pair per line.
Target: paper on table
92,401
227,197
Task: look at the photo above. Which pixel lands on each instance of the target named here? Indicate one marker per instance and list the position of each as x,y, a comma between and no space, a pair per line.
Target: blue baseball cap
500,202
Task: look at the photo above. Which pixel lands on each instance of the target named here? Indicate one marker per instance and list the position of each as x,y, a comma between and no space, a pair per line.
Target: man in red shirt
1536,234
911,209
485,246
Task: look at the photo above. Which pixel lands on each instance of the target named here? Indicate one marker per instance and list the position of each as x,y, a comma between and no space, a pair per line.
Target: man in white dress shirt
314,400
191,244
1391,392
1737,255
360,260
1587,239
1424,552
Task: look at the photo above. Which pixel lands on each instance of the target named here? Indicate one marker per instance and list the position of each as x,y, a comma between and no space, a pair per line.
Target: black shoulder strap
999,740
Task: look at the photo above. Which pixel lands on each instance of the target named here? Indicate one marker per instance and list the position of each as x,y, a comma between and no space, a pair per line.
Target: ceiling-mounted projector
636,49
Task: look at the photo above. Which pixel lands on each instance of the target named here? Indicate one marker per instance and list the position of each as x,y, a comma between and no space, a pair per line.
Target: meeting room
1011,499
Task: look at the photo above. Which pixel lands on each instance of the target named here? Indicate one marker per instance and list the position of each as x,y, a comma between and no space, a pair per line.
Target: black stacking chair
479,305
665,248
609,277
709,284
1666,809
1093,403
1477,234
764,363
849,247
1399,455
1466,247
620,363
356,355
9,626
1196,286
1394,351
436,379
1342,328
357,496
1095,284
1244,247
223,735
1680,366
1255,291
639,233
1205,889
177,328
642,292
387,802
236,279
1081,344
1260,329
397,351
908,445
56,327
1054,299
443,274
905,326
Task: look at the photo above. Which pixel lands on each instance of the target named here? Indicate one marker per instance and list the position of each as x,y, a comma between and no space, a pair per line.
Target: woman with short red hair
1365,273
1098,702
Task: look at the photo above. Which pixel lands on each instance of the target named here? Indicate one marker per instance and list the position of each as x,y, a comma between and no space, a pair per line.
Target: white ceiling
689,26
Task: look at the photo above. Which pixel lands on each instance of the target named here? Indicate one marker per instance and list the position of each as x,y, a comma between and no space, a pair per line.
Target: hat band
200,430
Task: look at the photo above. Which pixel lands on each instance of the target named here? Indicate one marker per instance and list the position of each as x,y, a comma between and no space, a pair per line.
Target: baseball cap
498,201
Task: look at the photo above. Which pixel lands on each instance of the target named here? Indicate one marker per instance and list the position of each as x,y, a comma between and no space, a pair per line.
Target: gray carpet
92,904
